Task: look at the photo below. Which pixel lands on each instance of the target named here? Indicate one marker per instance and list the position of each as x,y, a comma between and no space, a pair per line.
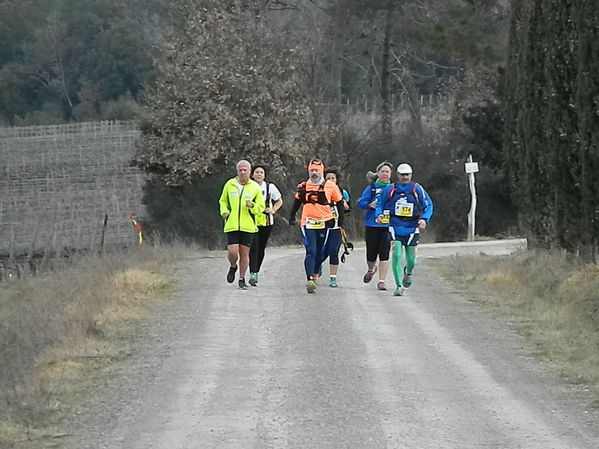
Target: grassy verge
64,332
551,299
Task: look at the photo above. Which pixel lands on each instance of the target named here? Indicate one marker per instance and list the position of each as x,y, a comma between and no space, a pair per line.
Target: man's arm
223,202
427,208
294,208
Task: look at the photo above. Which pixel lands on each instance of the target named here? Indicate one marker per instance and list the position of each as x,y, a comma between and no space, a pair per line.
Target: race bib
334,212
385,219
403,208
311,223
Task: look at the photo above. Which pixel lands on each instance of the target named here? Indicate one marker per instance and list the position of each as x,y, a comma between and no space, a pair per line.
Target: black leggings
259,243
378,244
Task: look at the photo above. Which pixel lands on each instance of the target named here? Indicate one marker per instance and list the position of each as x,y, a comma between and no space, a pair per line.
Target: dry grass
62,331
552,299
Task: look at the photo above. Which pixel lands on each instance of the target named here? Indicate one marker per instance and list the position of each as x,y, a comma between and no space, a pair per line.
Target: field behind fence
58,182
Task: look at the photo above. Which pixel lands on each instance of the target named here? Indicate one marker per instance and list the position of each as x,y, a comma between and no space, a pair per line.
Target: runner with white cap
411,209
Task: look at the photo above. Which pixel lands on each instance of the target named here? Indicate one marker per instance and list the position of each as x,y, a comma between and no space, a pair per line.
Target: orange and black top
316,200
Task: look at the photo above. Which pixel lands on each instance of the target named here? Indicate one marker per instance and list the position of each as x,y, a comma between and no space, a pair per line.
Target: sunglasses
404,174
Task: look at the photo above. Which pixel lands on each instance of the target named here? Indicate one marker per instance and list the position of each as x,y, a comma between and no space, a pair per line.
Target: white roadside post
471,168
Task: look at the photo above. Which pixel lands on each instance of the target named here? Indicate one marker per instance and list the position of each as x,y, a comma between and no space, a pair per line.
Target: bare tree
227,89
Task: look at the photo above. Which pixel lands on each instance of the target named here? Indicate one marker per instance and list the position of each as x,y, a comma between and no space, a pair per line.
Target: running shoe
231,274
398,291
370,274
311,286
333,282
242,284
407,278
253,279
381,285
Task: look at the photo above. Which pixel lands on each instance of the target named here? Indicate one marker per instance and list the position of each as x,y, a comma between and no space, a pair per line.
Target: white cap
404,169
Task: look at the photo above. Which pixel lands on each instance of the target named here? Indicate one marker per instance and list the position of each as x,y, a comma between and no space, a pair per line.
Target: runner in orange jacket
315,196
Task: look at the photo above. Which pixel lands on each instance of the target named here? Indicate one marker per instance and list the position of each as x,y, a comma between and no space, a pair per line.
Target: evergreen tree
550,126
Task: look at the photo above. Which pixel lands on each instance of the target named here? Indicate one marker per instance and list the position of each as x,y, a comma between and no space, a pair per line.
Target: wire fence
58,182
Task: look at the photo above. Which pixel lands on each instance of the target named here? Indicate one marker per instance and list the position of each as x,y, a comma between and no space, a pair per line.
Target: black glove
291,221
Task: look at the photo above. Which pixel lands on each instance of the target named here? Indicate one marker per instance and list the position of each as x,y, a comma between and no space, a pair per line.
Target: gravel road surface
352,367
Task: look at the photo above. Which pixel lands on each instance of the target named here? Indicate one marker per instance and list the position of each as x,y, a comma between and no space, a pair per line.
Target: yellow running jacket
233,202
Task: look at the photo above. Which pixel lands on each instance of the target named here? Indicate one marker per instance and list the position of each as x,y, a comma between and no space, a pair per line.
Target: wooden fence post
103,232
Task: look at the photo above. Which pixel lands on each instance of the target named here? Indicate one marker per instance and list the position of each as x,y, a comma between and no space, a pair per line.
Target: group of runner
396,214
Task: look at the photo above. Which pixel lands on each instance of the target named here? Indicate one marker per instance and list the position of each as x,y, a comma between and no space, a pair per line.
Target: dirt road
352,367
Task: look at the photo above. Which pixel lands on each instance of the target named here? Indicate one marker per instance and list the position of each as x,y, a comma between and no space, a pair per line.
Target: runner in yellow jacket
241,203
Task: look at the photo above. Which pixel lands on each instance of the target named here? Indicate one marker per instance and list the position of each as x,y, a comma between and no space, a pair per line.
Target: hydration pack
313,196
408,198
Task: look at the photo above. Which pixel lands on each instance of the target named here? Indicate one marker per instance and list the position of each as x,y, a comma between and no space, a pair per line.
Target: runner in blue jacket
408,208
376,234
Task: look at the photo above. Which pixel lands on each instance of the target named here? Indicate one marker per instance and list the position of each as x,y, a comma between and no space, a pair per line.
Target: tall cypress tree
525,139
587,100
562,166
551,122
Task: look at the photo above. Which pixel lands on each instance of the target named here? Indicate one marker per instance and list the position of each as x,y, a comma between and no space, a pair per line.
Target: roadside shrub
553,300
123,108
49,114
580,294
189,213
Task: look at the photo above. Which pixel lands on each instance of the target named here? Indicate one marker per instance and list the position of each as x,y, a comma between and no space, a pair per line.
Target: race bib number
311,223
385,219
403,208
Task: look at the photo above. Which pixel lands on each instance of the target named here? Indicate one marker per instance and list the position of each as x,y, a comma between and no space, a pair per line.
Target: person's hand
292,221
372,205
379,219
269,210
422,224
249,203
225,215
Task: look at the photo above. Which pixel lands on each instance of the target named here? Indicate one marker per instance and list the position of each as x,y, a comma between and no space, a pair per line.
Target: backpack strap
372,189
267,199
302,192
415,192
301,187
393,190
391,193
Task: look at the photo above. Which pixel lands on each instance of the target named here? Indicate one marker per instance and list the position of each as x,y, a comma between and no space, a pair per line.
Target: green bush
189,213
50,113
123,108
